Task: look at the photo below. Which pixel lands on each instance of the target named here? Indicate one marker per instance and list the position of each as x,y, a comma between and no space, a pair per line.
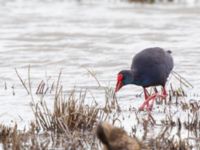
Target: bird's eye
119,77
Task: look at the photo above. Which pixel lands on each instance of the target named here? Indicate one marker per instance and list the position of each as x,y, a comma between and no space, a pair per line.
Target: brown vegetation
72,123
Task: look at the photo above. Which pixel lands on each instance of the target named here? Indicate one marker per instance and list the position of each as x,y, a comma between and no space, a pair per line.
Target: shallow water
102,36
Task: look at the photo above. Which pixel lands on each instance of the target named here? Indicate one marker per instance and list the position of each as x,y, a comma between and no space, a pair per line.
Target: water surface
102,36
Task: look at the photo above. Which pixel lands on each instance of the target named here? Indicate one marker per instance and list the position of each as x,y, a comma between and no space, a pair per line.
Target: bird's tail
169,51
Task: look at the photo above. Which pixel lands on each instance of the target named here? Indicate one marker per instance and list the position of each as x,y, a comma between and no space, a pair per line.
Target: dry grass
71,123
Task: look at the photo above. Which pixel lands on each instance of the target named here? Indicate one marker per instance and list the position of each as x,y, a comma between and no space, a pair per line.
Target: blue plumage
150,67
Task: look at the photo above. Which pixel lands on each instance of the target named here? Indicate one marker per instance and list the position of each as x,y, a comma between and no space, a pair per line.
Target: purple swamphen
150,67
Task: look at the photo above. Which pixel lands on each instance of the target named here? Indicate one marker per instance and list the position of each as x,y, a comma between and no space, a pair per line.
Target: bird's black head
124,77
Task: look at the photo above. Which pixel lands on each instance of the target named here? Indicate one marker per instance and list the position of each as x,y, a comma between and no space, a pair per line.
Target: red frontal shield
119,82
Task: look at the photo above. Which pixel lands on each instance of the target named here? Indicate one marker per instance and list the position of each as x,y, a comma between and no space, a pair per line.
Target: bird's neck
129,77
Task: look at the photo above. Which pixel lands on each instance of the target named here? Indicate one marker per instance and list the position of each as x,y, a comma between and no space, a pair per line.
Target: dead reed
71,123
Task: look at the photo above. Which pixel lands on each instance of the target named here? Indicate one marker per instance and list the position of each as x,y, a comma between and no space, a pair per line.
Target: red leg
152,98
146,102
146,96
164,93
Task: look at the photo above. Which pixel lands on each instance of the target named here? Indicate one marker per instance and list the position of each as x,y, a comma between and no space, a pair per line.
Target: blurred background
99,35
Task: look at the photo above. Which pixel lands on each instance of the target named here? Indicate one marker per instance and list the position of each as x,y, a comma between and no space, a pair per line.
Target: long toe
146,102
141,108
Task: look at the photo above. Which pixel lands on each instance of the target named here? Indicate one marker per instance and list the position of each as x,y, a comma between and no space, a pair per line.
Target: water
102,36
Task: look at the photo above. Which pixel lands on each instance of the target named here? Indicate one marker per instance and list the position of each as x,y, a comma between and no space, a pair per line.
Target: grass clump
70,123
68,114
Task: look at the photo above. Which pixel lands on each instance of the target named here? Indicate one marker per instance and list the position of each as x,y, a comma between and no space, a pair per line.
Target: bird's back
152,66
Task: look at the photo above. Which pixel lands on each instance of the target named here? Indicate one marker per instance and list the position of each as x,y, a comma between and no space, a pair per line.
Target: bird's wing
148,58
152,62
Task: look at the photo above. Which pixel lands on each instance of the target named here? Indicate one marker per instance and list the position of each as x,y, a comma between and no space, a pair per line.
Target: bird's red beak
119,82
